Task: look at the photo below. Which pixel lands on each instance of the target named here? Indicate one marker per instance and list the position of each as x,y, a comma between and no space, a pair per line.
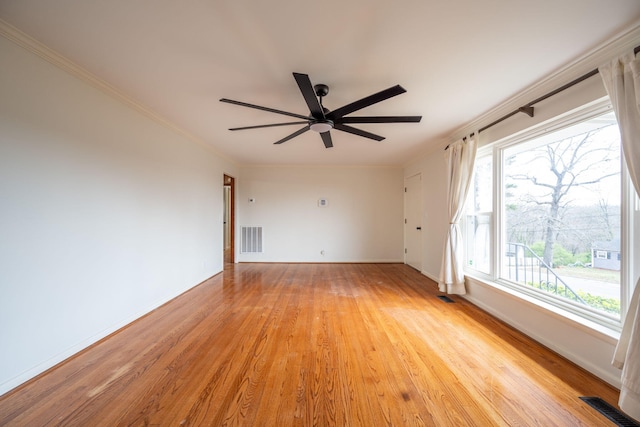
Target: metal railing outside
524,266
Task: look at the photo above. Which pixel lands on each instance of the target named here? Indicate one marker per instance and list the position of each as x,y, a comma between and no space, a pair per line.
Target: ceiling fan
322,120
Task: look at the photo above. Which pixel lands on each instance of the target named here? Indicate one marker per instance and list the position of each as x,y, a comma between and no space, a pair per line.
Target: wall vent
250,240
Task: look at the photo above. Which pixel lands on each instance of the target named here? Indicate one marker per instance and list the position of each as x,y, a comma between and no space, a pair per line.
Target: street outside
591,286
597,282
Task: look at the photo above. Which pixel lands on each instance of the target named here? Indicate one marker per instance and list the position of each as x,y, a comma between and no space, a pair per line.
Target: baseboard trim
596,370
54,362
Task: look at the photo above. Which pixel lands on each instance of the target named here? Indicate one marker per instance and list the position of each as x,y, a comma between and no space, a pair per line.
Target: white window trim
611,333
482,152
598,321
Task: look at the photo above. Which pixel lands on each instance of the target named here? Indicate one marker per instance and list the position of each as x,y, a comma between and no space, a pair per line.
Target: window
545,215
479,216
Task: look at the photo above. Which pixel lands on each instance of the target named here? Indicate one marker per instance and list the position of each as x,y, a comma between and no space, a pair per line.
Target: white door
413,221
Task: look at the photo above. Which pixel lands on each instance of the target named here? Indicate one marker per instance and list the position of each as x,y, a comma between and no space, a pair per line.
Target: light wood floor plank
312,344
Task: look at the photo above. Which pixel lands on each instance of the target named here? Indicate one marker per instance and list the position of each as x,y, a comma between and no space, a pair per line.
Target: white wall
363,221
591,348
104,214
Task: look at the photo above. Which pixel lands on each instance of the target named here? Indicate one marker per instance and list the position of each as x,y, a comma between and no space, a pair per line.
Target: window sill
591,327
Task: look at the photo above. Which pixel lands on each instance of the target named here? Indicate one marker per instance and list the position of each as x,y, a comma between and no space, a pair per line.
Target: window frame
584,315
482,152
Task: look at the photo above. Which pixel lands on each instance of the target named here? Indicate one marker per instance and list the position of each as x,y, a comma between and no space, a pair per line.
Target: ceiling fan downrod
321,125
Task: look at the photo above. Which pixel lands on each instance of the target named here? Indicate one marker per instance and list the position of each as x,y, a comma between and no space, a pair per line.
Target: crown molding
34,46
625,41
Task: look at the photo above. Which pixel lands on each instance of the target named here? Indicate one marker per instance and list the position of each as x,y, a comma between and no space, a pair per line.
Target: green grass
609,305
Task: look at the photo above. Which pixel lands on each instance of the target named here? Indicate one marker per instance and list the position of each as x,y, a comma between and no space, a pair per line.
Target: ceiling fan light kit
321,126
322,120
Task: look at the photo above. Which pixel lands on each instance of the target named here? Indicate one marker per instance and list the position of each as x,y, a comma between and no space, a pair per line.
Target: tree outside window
561,195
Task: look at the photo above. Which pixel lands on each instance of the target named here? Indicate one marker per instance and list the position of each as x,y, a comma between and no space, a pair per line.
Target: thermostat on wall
323,202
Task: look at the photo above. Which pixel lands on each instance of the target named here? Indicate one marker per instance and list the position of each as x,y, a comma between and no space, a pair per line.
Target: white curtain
460,156
621,78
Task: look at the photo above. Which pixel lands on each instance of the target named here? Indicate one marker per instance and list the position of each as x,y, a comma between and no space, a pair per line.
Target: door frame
229,181
418,223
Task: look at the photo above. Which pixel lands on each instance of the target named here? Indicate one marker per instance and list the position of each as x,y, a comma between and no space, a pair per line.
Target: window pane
562,201
478,223
478,243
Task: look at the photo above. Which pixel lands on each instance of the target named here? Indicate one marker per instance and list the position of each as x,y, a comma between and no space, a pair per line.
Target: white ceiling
457,59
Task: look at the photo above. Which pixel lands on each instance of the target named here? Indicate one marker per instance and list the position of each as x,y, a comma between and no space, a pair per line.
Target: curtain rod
528,108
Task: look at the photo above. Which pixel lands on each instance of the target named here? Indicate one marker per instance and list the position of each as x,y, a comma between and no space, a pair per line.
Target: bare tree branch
572,162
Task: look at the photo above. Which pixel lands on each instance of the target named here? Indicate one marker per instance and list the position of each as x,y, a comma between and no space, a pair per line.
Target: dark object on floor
617,417
445,298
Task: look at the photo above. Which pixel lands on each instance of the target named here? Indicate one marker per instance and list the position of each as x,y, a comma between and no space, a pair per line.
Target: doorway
229,220
413,221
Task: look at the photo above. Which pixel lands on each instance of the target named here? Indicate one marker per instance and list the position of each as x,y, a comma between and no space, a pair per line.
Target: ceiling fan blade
379,119
309,94
293,135
358,132
326,138
365,102
258,107
269,126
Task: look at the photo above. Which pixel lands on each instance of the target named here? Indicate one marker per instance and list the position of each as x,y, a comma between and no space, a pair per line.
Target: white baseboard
588,344
36,370
593,338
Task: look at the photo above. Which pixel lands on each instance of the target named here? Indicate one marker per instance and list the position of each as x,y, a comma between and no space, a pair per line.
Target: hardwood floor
312,344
